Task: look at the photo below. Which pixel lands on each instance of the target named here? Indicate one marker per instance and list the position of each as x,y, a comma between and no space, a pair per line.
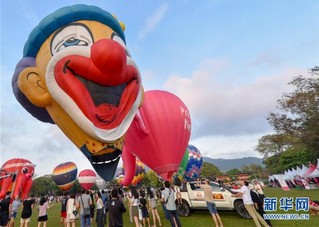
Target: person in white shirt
99,210
168,199
249,205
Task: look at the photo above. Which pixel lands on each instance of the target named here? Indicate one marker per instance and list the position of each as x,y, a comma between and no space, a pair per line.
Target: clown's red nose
109,57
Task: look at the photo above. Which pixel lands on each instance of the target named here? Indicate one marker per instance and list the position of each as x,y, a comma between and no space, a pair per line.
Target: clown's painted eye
24,170
72,42
75,35
118,39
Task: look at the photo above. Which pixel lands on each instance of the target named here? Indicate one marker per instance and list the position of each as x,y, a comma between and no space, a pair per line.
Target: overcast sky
229,61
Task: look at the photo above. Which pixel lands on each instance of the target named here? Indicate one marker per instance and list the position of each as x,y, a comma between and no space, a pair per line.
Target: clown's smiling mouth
105,98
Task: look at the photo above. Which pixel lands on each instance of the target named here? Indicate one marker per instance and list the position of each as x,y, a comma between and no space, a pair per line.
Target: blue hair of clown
63,17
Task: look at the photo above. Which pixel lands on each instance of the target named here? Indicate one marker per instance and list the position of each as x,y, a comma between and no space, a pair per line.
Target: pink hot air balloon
158,135
87,178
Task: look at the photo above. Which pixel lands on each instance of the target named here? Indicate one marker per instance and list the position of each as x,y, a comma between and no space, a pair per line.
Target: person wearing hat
208,195
5,209
249,205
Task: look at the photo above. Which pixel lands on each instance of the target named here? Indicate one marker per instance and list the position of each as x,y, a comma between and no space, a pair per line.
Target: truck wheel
183,209
240,209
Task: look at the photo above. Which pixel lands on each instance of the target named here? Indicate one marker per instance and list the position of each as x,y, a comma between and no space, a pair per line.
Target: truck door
196,195
221,197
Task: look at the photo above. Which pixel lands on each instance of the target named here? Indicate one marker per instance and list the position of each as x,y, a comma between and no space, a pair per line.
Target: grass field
202,218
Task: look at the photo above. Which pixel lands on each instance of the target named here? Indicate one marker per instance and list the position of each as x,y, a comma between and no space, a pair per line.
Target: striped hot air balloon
64,175
139,173
87,178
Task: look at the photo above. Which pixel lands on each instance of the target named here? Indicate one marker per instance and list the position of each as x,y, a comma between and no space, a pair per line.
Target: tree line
295,140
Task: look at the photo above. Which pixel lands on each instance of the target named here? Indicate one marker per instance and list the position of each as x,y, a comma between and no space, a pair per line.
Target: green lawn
203,218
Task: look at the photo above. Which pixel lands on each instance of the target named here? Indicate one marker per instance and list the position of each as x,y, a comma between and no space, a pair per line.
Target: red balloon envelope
16,176
159,133
87,178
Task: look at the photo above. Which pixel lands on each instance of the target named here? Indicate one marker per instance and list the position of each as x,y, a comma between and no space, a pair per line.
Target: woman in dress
70,207
99,210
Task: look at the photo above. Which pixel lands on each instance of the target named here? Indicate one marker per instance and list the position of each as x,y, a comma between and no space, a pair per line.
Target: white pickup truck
193,198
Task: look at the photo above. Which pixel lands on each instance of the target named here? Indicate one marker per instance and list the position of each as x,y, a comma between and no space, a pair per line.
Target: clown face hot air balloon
16,176
138,176
64,175
194,164
87,178
159,134
76,73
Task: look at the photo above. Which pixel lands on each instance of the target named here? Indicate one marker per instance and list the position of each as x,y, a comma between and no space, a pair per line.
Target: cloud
228,147
268,58
220,108
153,20
23,136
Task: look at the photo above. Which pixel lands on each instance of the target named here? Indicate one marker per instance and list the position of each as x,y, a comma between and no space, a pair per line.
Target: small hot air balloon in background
138,176
194,164
139,173
100,183
87,178
64,175
159,134
119,177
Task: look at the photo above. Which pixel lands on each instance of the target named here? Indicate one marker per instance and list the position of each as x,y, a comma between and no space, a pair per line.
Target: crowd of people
106,207
99,208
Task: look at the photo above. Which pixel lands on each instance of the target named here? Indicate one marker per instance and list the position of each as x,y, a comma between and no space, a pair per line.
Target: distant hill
228,164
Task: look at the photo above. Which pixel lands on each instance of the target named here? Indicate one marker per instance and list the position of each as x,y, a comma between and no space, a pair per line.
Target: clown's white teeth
106,162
